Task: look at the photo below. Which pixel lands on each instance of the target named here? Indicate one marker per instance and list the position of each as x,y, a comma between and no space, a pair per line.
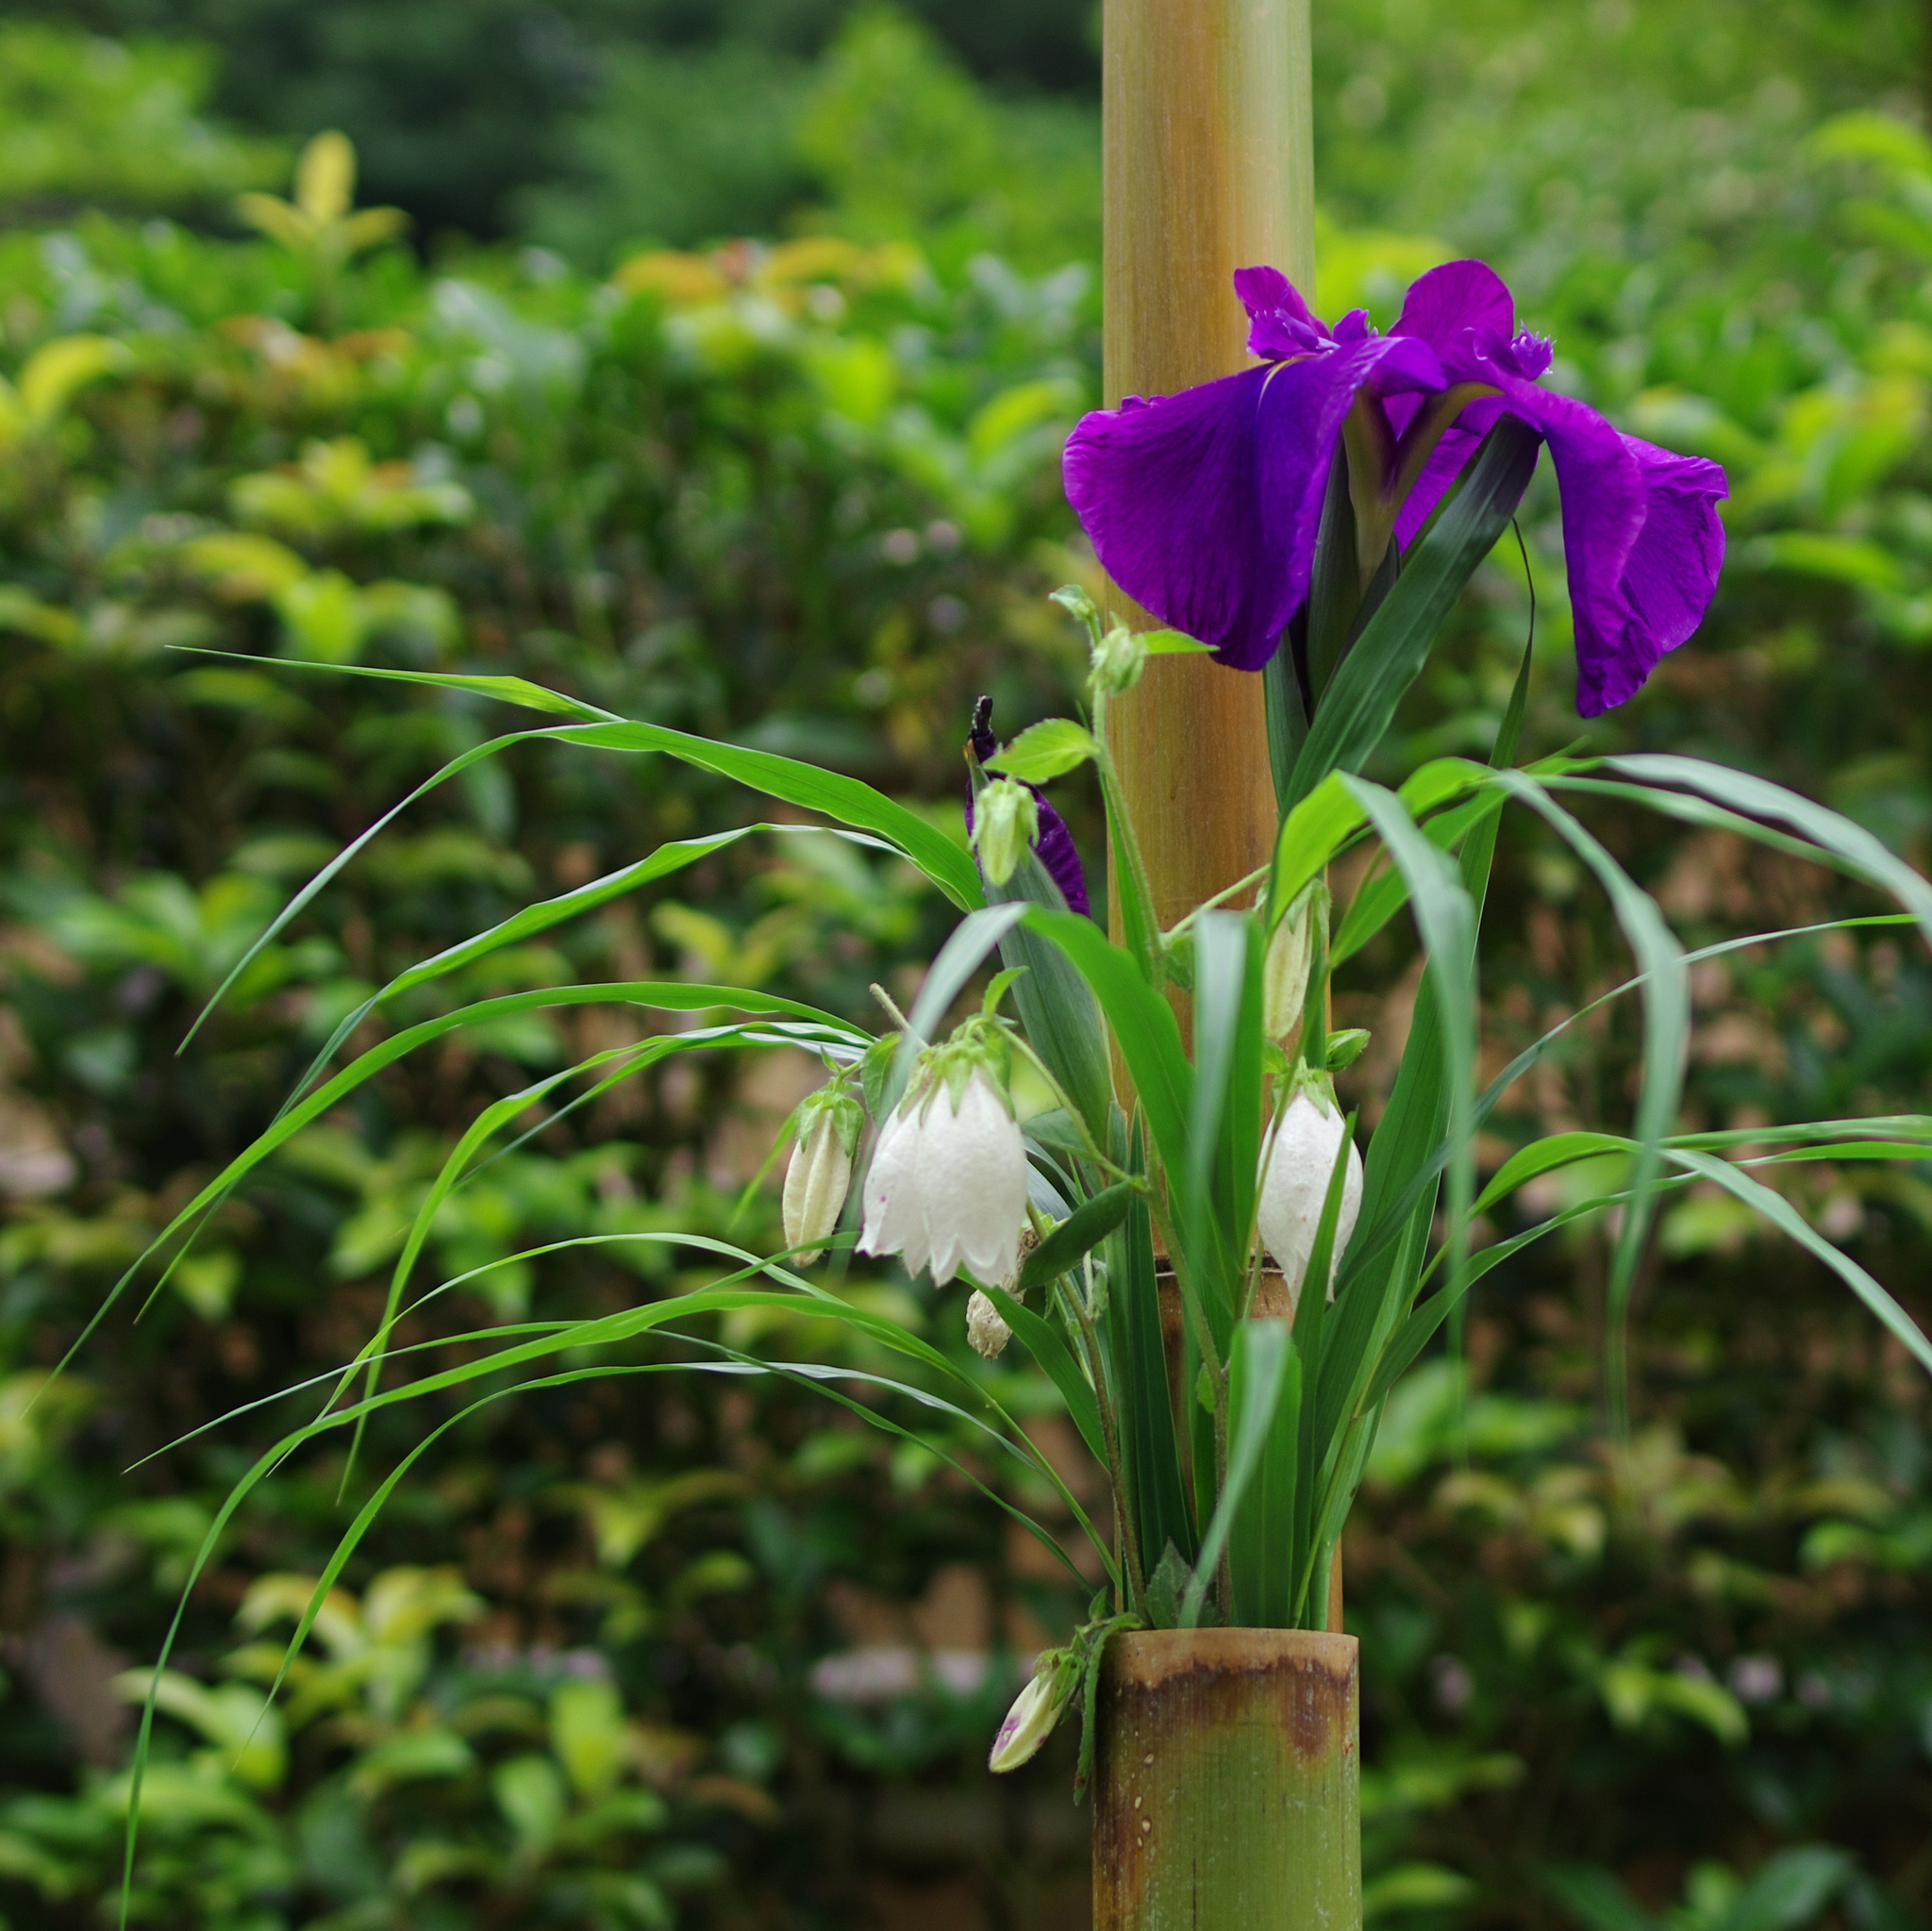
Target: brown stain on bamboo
1228,1781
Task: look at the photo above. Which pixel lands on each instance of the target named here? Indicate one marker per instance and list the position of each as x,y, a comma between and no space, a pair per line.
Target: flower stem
1219,898
1125,844
893,1012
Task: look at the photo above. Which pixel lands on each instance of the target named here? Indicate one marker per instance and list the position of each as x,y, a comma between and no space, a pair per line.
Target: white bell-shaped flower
1297,1161
948,1183
819,1172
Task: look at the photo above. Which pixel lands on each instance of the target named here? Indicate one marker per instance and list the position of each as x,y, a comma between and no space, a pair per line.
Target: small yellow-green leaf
326,177
54,372
1045,751
1314,831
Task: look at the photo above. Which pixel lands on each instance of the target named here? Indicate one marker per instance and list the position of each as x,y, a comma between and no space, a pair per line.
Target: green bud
1078,605
827,1128
1119,658
1005,824
1289,958
1345,1047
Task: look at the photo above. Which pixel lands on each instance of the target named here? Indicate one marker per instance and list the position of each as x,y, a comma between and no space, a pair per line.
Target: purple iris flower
1056,849
1205,507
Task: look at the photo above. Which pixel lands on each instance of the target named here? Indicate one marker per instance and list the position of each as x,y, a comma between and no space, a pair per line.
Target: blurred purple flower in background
1205,507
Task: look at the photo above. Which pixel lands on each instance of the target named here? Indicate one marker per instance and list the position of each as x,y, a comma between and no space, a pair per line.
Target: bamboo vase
1227,1782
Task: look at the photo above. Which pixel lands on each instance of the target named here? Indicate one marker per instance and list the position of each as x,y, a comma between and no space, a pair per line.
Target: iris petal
1186,514
1281,323
1458,296
1670,576
1603,507
1204,507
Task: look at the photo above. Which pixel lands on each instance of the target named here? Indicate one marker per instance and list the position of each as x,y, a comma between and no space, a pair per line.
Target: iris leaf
1263,1349
1666,1044
1055,1005
1355,711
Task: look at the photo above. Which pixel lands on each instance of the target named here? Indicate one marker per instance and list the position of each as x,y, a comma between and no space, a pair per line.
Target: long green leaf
1688,809
1423,1321
1215,1202
1775,1208
279,924
1438,1106
1055,1004
846,799
1150,1450
1381,897
1759,798
1046,1347
1542,1156
1666,1045
1144,1029
516,690
1261,1546
1262,1349
964,952
533,919
663,996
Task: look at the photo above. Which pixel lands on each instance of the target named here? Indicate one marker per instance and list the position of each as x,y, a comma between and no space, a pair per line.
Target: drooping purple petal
1670,576
1204,507
1175,496
1055,847
1605,503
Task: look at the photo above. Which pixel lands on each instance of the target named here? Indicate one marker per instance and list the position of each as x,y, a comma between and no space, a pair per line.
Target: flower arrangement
1134,1150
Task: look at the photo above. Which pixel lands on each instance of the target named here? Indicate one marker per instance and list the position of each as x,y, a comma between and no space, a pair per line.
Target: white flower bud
948,1182
984,1328
1296,1164
820,1174
1005,826
1285,969
1028,1724
1119,658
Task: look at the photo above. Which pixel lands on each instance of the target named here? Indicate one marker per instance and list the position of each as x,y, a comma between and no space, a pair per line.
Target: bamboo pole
1209,167
1227,1787
1228,1783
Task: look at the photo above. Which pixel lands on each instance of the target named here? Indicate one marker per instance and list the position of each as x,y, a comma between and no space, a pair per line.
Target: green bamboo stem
1228,1783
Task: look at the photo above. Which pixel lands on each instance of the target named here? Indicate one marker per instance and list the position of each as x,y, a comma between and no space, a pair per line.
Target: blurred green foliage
96,122
460,106
710,1655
